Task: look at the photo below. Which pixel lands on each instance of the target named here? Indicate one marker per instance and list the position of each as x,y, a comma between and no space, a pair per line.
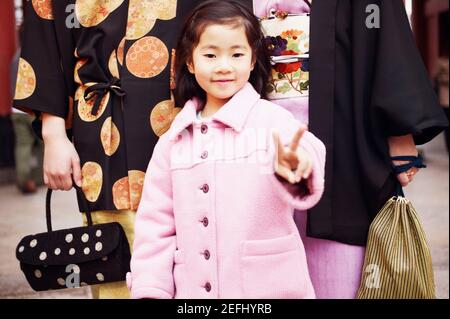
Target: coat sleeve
155,240
402,96
299,197
41,85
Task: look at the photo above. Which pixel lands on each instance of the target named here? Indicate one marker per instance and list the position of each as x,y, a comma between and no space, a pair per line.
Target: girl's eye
210,56
238,55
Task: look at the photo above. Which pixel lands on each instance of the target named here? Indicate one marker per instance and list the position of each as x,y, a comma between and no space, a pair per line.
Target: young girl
216,215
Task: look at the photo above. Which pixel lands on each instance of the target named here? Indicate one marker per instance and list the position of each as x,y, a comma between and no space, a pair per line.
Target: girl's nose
223,66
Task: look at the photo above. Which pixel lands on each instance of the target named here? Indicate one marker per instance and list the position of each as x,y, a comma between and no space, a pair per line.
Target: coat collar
233,114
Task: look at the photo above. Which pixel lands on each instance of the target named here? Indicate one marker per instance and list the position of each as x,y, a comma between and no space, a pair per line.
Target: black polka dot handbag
76,257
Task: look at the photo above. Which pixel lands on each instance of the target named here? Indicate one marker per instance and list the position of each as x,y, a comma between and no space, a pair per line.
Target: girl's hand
60,157
403,145
292,163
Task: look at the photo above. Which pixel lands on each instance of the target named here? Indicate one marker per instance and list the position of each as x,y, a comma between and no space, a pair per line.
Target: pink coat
214,221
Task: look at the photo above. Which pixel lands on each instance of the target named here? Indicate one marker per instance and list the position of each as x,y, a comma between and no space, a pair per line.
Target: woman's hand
400,146
292,163
61,160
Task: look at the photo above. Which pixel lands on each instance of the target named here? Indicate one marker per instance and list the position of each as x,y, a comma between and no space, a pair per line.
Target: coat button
204,128
208,287
206,254
205,221
205,188
204,155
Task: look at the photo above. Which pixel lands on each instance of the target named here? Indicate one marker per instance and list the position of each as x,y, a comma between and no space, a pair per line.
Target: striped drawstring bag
397,262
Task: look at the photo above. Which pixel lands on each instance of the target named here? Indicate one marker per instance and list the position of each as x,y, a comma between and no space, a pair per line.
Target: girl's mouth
223,81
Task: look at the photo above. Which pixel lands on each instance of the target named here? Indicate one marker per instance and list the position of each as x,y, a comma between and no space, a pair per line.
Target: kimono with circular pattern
104,66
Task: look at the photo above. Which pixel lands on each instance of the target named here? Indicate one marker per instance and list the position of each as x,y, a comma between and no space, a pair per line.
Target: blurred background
22,196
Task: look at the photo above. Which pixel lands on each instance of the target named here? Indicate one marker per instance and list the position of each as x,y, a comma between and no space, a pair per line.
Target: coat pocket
179,273
274,268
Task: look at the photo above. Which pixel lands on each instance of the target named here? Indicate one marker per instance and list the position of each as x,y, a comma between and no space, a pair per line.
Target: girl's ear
190,67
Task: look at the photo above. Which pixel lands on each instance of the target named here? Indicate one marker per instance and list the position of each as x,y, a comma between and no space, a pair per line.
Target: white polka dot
69,238
100,277
61,282
87,251
38,273
105,258
21,249
72,251
98,233
33,243
43,256
85,238
57,251
98,246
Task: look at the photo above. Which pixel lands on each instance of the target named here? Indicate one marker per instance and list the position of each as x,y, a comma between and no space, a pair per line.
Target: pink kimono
214,221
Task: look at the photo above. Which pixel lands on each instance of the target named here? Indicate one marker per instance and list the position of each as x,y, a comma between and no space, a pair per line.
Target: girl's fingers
297,137
286,173
289,163
280,169
300,171
304,169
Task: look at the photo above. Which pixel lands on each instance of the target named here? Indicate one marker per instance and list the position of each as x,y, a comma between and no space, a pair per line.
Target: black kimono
366,84
105,67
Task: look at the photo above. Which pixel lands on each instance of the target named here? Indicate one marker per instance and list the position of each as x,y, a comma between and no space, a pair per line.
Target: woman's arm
399,146
61,160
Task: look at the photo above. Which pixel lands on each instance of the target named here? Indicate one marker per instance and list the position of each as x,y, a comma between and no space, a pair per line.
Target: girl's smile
221,62
222,82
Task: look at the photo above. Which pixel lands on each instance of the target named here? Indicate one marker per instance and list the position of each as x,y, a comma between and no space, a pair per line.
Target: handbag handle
80,195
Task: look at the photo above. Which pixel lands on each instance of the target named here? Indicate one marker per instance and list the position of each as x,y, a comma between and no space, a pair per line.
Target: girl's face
222,62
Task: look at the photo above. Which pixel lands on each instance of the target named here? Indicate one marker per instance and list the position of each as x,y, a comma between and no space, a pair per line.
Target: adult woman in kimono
369,99
101,70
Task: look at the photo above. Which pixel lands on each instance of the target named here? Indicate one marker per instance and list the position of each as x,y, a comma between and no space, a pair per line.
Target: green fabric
398,262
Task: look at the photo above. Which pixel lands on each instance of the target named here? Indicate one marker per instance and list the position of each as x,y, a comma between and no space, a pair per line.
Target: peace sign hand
292,163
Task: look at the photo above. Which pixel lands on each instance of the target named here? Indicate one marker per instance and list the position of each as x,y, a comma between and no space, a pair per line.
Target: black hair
210,12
